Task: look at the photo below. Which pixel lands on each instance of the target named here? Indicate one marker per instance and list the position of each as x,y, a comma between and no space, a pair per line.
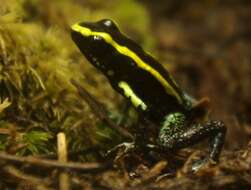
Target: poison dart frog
149,88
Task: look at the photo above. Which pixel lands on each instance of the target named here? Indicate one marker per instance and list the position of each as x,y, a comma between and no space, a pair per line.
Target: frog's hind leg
175,134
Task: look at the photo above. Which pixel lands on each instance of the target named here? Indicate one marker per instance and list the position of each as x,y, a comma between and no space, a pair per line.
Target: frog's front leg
175,134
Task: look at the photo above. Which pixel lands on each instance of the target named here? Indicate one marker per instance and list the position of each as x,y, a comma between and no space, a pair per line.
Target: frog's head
95,40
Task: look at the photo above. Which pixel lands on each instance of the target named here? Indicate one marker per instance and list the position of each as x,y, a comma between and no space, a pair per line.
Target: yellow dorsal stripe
127,52
129,93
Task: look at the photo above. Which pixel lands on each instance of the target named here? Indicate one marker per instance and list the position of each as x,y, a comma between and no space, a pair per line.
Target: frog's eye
97,38
109,24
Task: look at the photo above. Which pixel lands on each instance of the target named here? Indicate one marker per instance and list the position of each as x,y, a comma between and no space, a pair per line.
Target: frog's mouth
81,41
90,49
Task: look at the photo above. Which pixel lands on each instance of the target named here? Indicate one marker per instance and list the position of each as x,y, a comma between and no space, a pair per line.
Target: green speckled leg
175,134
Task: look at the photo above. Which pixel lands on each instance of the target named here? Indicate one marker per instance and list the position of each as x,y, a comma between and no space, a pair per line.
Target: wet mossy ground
205,46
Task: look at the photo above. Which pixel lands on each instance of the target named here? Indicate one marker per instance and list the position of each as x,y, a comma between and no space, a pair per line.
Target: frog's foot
201,163
128,147
174,135
198,164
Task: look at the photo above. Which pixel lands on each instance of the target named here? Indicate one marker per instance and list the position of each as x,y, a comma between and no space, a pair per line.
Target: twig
99,110
62,157
84,184
27,179
75,166
154,172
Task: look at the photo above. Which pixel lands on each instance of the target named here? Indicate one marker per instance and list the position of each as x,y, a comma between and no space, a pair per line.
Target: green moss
36,142
37,61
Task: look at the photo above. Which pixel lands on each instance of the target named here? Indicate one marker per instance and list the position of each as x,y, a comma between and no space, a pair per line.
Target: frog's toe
199,164
127,146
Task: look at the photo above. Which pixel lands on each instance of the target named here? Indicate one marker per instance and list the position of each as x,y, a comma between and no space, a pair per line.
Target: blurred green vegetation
37,61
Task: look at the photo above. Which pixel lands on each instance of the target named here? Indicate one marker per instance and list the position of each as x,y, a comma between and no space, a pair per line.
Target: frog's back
147,78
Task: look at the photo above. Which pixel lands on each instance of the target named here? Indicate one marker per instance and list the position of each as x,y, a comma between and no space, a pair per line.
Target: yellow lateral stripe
128,92
127,52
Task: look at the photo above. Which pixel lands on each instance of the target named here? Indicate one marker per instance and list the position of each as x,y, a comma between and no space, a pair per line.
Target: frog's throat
127,52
